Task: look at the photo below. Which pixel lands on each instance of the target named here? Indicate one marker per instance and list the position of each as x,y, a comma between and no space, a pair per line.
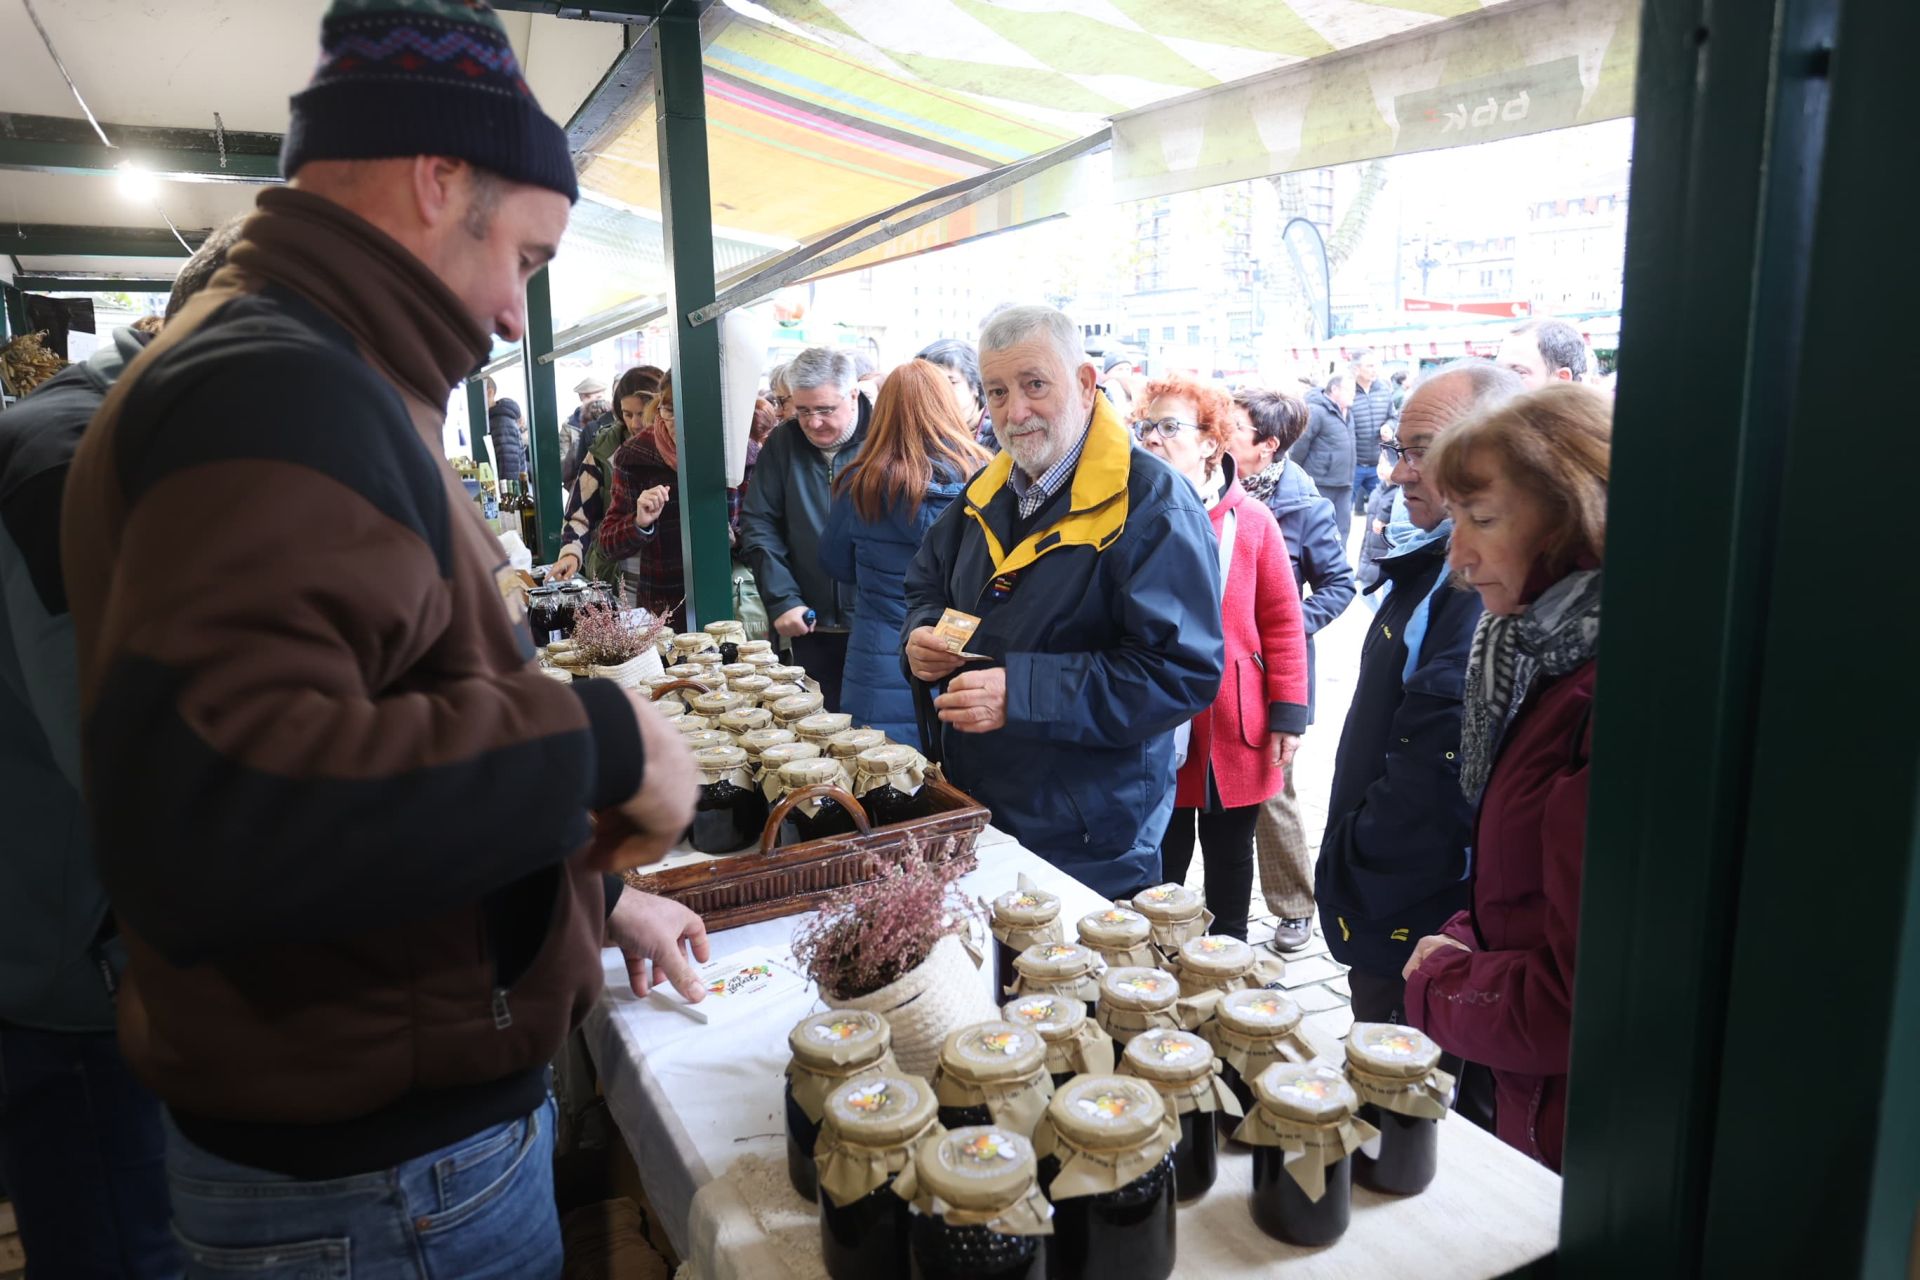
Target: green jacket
598,566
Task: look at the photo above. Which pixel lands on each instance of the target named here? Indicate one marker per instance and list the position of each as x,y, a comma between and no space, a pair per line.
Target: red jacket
1508,1003
1264,688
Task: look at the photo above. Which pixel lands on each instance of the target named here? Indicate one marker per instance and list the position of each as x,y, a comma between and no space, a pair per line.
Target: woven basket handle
671,685
820,791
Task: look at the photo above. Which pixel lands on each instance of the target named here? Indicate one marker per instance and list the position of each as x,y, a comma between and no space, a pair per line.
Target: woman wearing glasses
587,499
1239,748
918,456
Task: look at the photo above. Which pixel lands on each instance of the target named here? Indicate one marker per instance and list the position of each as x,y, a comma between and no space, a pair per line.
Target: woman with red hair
1239,748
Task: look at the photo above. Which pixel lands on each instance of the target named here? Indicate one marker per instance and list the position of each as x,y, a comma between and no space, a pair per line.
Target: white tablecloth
701,1109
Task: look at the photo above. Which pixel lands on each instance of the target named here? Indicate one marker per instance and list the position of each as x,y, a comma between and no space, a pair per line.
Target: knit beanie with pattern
424,78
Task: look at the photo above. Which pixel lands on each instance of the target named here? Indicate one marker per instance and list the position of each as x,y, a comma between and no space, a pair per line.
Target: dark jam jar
1180,1065
1300,1133
1075,1043
829,1050
543,606
694,647
1395,1072
992,1219
1106,1162
817,819
868,1134
1021,918
996,1070
891,781
1251,1031
730,812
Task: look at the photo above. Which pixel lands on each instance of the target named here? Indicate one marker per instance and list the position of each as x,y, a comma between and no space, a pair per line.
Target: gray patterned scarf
1558,632
1261,484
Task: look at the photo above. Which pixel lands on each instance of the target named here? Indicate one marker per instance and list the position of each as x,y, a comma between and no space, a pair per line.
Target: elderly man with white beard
1095,576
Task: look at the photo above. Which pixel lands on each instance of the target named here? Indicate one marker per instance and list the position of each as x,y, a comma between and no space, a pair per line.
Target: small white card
736,985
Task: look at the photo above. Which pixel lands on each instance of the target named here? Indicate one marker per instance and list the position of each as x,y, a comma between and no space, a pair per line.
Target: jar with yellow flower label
1181,1066
1250,1031
1058,968
1395,1072
1076,1046
1021,917
868,1134
993,1073
1121,936
978,1212
1303,1134
1105,1151
829,1049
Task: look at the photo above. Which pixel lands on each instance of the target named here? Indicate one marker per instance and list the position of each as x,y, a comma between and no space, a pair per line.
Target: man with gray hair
1543,351
1393,862
785,511
1094,574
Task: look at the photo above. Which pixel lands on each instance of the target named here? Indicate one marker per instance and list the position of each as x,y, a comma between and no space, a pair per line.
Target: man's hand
975,701
657,932
564,568
793,622
648,506
928,658
1426,947
1280,749
662,810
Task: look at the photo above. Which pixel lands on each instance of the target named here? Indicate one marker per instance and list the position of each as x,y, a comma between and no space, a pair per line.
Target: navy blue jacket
51,902
1313,544
783,515
509,446
1394,860
1325,449
1110,636
874,556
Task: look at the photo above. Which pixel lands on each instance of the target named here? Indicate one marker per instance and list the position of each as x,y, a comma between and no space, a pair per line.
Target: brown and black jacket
337,811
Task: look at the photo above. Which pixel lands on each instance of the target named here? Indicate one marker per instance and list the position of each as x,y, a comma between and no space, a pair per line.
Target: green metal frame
91,284
606,10
55,144
543,408
15,309
477,439
41,240
687,214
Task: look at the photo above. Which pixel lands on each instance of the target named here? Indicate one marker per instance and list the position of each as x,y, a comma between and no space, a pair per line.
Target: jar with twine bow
1058,968
1218,964
868,1134
1182,1067
715,705
849,743
1076,1046
993,1073
687,722
1303,1133
1022,917
1395,1072
757,742
978,1208
891,781
1136,1000
829,1049
694,646
730,813
821,726
744,719
789,711
805,814
1121,936
758,652
1105,1151
1250,1031
1175,914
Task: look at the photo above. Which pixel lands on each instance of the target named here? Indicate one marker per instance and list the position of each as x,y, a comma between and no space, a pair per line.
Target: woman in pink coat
1238,747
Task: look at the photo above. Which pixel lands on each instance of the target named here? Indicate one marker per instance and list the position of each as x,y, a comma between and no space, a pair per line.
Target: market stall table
700,1107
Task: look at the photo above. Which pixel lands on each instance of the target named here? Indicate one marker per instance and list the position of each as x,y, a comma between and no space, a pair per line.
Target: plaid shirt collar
1033,494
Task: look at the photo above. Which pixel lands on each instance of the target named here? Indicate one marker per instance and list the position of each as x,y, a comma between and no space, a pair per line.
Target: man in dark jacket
503,433
342,818
1266,424
1325,452
1093,569
81,1141
1393,862
1371,409
785,512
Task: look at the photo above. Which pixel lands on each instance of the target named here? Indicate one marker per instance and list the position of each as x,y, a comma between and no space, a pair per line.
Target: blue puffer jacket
874,556
1106,617
1313,544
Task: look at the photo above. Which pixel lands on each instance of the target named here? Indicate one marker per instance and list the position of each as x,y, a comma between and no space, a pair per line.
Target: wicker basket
770,883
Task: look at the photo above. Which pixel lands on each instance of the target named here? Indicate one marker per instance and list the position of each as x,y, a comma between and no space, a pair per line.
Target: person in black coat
503,434
1325,452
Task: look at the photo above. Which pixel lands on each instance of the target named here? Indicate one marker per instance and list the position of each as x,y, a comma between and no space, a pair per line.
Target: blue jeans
80,1152
1365,481
479,1209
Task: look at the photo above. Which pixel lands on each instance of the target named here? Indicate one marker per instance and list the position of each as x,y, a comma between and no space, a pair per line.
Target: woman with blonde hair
1527,486
917,458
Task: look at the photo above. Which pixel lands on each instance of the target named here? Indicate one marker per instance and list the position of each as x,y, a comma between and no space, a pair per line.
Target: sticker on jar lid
1399,1049
840,1030
1005,1043
1025,900
871,1099
1165,893
1309,1091
1141,984
1173,1049
1117,915
1041,1010
1261,1006
1047,1014
1058,951
1213,946
987,1149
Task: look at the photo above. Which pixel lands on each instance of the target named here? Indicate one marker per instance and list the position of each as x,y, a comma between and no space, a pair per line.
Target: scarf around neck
404,318
1262,483
1558,632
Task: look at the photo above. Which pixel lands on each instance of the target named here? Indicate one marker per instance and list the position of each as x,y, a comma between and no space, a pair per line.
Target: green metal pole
544,408
477,422
687,212
16,318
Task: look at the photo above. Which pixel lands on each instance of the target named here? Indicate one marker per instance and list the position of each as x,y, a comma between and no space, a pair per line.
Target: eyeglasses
1412,455
804,412
664,410
1167,428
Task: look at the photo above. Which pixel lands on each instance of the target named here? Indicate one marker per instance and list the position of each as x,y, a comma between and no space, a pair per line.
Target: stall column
687,212
16,311
545,415
477,423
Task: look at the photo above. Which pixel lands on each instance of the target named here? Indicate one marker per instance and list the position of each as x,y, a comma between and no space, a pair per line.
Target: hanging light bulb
137,182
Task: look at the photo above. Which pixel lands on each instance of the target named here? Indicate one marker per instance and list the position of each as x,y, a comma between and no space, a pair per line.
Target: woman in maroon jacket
1527,485
1238,747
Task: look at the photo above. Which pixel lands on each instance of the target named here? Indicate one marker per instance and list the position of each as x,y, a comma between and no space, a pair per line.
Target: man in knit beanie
343,821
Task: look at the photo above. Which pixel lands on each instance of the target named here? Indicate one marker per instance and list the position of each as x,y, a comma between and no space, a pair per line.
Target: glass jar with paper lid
729,813
756,743
1304,1133
744,719
829,1049
1175,914
696,647
715,705
1137,1000
1251,1031
993,1073
849,743
978,1212
1395,1072
869,1131
1216,963
758,652
1121,936
789,711
891,781
1058,968
753,688
1182,1067
805,814
820,727
1105,1151
1076,1045
1020,918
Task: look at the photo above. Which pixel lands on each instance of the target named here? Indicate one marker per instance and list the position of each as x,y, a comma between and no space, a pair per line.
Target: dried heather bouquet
604,637
873,934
